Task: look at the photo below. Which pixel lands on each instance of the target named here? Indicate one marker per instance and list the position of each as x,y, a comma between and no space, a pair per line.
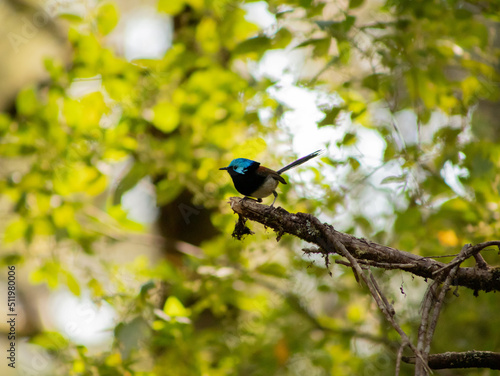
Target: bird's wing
264,171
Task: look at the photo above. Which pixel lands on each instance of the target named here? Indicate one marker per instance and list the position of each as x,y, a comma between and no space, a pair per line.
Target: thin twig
384,265
432,303
437,310
480,246
440,256
348,264
388,305
387,310
426,309
439,301
399,356
465,254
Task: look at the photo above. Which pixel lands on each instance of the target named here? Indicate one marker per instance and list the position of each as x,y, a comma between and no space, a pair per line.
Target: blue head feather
240,165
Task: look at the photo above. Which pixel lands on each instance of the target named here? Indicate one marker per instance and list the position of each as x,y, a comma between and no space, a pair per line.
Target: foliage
412,74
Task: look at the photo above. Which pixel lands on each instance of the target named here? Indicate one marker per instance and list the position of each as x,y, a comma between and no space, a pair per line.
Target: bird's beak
223,168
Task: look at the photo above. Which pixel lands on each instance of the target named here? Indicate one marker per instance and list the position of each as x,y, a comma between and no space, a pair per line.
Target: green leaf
393,179
73,112
273,268
94,107
354,163
11,259
344,48
337,29
320,45
96,287
207,35
377,25
389,152
372,81
120,216
27,102
52,341
166,117
355,3
48,273
330,116
171,7
282,38
145,288
315,9
174,308
131,334
74,18
167,190
474,34
72,283
129,181
55,68
15,230
364,223
63,215
348,140
257,46
107,18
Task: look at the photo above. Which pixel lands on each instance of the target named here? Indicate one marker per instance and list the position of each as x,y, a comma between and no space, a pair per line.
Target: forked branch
361,254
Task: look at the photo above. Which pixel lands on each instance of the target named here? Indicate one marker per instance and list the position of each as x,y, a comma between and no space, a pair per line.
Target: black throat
248,182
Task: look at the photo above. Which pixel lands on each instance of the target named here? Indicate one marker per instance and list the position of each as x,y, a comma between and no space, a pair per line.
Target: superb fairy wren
253,180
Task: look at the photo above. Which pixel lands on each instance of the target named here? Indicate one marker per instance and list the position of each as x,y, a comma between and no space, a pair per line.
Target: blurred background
115,117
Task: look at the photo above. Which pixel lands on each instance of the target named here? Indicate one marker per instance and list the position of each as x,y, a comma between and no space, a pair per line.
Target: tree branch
362,254
433,303
308,228
325,238
468,359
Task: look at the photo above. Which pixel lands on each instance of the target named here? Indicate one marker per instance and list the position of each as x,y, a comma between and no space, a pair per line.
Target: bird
253,180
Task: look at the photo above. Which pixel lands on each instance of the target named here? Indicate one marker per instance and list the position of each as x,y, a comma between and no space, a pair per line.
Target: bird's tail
300,161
